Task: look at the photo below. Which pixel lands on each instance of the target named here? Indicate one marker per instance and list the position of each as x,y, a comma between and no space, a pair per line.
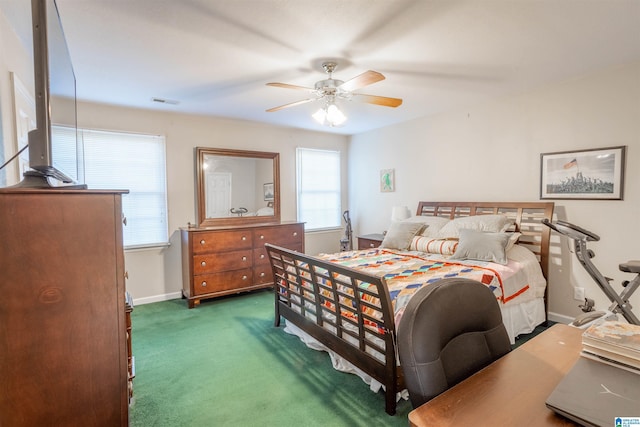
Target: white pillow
513,239
491,223
433,246
482,246
433,224
400,234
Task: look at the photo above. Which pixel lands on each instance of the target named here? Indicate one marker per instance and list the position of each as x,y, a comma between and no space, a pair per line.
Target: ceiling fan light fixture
330,115
335,117
320,115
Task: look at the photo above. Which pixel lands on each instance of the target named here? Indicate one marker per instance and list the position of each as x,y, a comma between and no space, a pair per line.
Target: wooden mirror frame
203,221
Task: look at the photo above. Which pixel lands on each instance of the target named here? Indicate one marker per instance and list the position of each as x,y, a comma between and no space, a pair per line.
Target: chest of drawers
220,261
63,319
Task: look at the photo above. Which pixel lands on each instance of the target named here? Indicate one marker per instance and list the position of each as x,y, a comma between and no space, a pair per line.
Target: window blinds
318,188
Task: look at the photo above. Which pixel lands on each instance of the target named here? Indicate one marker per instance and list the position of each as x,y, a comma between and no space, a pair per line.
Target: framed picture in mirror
268,192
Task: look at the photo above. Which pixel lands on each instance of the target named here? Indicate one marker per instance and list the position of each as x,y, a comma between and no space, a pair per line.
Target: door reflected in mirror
236,187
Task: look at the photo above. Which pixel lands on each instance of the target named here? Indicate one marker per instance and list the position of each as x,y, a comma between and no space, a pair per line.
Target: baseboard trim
157,298
559,318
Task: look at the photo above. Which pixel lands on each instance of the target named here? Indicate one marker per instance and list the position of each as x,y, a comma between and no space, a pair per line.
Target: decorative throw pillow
433,246
433,224
513,239
400,234
491,223
482,246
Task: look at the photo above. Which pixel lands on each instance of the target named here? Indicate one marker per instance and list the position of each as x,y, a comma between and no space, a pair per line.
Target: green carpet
224,364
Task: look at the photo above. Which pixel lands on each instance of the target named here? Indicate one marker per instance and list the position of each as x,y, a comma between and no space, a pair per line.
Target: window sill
151,247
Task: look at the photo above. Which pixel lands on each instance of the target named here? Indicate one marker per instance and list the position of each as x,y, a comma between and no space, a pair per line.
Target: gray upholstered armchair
449,330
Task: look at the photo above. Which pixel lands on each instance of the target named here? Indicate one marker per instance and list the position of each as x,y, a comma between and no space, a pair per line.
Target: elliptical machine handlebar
571,230
580,237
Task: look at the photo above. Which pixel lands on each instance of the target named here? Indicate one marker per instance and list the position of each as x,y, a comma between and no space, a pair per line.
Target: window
318,186
134,162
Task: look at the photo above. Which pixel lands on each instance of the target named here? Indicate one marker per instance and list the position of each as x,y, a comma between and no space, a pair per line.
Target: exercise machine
620,302
346,243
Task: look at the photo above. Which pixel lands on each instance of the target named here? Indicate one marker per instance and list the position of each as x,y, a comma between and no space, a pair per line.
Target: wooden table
512,390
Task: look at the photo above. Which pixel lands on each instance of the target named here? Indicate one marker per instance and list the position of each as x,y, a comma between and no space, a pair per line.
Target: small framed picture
268,191
583,174
387,180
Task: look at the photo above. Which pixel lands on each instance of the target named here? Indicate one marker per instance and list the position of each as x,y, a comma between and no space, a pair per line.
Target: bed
349,303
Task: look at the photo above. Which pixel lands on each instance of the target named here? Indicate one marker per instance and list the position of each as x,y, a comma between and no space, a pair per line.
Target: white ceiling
215,56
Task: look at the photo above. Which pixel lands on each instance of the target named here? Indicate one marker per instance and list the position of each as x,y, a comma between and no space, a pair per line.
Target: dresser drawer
262,274
278,235
217,241
218,282
260,256
222,261
369,241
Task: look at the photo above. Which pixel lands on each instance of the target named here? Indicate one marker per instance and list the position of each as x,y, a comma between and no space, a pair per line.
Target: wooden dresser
219,261
63,338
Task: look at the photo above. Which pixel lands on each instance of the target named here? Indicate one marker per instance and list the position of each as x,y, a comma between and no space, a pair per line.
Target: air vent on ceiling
165,101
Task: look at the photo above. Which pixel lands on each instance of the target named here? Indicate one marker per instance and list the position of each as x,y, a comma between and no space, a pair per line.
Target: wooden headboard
527,216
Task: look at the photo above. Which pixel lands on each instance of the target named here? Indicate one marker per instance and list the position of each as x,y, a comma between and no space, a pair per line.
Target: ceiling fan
332,89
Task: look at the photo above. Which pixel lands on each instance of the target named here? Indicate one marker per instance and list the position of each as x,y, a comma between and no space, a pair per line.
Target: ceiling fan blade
292,104
379,100
362,80
288,86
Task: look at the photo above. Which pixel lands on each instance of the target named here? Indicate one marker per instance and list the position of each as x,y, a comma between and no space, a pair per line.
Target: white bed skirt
522,318
518,319
339,363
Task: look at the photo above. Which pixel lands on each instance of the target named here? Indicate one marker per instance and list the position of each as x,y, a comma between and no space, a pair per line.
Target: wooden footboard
348,311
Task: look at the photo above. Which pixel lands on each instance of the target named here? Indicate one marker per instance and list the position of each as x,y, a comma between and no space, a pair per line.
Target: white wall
156,274
492,152
13,58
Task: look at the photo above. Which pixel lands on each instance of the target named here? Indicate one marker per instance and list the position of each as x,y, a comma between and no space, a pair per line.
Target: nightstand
369,241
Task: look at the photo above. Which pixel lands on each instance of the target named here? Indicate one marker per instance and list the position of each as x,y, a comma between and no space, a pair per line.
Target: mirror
237,187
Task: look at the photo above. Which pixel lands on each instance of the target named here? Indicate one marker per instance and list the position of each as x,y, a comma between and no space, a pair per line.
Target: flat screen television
51,158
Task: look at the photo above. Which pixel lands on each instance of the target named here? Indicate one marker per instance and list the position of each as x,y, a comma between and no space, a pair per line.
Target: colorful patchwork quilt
406,272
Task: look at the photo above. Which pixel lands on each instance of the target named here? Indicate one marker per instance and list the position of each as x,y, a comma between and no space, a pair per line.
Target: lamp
400,213
330,115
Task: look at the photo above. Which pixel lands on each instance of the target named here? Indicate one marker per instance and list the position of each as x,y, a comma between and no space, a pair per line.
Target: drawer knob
262,274
203,263
202,242
262,237
244,258
244,277
295,233
244,238
371,245
203,284
261,256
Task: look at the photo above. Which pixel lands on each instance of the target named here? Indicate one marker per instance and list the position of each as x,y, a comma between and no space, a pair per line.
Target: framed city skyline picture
596,174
